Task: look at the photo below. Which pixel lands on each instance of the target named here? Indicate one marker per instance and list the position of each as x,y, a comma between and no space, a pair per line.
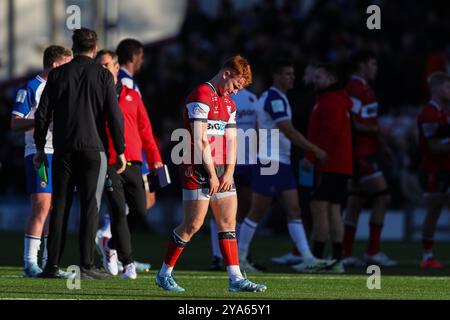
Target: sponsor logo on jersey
21,96
189,172
277,105
216,128
369,110
128,98
197,110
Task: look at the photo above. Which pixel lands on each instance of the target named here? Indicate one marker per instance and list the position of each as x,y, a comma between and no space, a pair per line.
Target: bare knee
188,230
40,210
255,215
383,199
294,213
226,224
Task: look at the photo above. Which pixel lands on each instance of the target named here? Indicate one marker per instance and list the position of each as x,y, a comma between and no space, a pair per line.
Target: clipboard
158,178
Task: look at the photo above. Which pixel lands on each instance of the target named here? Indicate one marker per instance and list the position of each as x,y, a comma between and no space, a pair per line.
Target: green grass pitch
406,281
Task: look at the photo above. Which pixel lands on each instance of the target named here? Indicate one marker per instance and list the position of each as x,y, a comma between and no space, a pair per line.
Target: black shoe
94,274
216,264
53,272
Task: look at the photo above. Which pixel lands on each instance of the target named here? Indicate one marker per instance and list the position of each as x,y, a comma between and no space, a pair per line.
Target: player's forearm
22,124
231,150
300,141
41,124
208,159
230,164
202,151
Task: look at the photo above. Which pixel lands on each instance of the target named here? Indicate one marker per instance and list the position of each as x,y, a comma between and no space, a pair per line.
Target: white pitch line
297,276
36,299
308,277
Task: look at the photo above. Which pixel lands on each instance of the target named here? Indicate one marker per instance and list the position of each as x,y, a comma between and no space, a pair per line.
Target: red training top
329,128
138,130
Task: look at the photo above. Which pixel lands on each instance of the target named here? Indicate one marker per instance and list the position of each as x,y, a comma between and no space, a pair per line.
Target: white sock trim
165,270
234,272
32,244
298,236
250,223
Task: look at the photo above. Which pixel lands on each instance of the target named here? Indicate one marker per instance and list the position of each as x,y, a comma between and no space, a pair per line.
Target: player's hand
320,155
156,165
39,158
121,163
226,182
214,184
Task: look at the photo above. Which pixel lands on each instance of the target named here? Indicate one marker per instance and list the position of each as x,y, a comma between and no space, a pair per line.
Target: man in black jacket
81,100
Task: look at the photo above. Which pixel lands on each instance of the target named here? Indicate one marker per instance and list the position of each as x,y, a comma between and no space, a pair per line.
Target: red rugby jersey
365,111
433,123
204,104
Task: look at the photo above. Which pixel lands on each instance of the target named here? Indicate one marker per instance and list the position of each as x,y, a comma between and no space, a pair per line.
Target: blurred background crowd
413,42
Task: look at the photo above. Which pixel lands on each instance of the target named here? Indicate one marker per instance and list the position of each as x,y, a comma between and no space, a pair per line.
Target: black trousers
86,170
126,188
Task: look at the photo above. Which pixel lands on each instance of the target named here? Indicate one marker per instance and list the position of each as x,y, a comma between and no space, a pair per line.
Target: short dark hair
278,65
127,48
361,56
108,52
84,40
54,53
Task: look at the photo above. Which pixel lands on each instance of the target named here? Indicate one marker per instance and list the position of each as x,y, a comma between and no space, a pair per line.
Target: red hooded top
329,128
138,130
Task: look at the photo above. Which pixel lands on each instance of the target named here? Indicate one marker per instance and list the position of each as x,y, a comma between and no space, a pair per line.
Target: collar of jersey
359,78
436,105
41,79
212,87
127,72
281,93
83,59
